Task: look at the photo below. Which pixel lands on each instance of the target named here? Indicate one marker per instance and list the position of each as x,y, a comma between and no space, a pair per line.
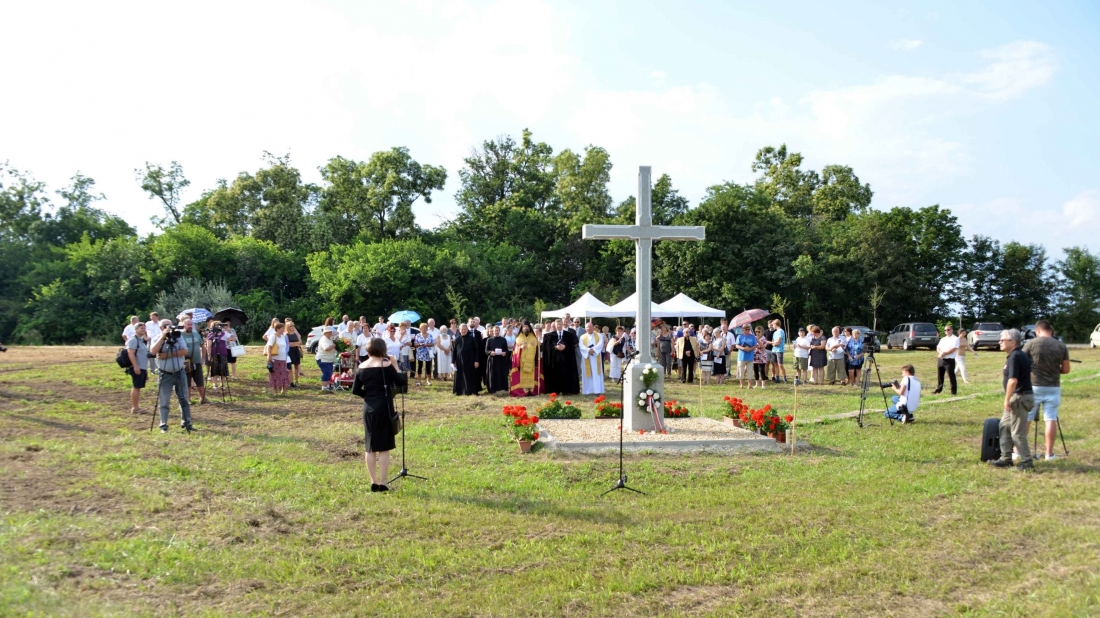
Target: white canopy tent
683,306
628,308
587,306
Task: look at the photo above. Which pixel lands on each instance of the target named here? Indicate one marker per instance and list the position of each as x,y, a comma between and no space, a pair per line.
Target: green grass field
266,509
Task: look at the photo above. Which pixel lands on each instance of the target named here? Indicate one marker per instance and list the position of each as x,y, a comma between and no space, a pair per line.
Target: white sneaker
763,386
1052,457
1015,456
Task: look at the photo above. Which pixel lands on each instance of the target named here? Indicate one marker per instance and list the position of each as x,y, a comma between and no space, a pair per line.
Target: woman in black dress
374,382
294,354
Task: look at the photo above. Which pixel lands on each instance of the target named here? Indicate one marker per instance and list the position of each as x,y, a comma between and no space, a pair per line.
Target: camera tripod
866,385
1035,444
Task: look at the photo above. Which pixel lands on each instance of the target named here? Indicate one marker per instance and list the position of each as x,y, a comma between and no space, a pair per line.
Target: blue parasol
198,314
403,315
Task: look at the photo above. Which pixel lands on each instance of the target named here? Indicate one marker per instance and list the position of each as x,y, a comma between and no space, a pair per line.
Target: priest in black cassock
467,360
559,349
499,361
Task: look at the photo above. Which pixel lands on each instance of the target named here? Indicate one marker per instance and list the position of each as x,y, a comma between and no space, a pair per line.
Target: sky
986,108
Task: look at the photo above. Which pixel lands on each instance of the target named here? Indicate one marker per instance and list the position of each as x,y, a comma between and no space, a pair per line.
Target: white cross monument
643,233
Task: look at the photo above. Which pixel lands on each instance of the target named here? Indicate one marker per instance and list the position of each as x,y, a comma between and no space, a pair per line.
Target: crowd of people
563,356
181,354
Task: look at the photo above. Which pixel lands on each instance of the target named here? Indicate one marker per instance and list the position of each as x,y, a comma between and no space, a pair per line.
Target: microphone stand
404,473
621,483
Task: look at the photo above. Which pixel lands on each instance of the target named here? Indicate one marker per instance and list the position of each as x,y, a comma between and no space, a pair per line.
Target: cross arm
642,232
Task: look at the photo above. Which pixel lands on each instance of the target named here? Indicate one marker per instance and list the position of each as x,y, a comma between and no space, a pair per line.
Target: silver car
986,334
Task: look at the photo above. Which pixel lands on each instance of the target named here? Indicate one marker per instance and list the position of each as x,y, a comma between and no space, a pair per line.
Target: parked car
1094,338
874,333
912,335
1028,332
986,334
311,339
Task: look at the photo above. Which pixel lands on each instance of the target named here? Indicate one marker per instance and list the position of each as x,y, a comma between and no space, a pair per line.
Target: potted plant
607,409
675,409
557,409
524,428
733,409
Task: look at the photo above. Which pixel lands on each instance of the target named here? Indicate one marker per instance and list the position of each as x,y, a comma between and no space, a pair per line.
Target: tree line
796,239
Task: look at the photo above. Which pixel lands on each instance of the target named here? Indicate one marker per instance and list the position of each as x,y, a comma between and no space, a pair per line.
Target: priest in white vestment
591,349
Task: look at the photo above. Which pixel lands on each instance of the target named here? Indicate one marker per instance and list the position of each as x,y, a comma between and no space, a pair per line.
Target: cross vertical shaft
643,268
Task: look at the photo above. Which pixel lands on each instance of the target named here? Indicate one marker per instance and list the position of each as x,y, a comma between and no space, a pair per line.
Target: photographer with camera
907,397
139,365
170,353
217,355
194,363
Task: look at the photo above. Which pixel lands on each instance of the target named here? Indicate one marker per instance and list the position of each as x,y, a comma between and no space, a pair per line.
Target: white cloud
887,130
1083,210
1013,69
103,91
1076,223
904,44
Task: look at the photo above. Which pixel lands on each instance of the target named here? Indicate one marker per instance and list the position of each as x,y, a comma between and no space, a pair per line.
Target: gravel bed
680,429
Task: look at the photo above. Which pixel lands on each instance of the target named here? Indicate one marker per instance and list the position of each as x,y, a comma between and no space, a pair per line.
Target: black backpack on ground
123,358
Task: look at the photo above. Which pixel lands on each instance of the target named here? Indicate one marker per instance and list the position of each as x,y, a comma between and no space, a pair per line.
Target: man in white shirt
907,399
801,357
152,327
129,330
946,350
380,327
478,327
344,325
835,367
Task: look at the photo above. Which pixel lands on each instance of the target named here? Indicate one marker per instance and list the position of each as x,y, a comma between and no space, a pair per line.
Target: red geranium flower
534,419
568,403
788,418
535,435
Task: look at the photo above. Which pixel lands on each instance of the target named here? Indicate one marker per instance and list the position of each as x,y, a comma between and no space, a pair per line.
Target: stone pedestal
635,418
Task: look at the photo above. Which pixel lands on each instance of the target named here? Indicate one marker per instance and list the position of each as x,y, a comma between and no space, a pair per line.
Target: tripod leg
1060,435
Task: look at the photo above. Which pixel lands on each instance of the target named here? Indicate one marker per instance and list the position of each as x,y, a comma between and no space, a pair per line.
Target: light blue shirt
749,341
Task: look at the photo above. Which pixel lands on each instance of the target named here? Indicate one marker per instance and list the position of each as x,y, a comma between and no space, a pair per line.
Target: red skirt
279,378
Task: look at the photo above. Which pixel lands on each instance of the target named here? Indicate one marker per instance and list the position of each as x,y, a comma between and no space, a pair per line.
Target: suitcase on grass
991,439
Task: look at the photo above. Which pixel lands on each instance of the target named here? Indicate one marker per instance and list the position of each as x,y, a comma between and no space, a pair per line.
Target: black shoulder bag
395,420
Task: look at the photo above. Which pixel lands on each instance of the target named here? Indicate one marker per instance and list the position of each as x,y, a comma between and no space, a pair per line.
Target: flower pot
732,422
524,446
782,439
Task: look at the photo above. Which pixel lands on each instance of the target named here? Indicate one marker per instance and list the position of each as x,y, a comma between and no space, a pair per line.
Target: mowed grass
266,509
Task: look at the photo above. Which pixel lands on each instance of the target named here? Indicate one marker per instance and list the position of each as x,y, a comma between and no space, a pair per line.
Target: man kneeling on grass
907,398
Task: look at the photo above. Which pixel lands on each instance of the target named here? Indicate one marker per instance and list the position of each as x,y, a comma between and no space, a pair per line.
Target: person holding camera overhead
907,397
376,381
171,352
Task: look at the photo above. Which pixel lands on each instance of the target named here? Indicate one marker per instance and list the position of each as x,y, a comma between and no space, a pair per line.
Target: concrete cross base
635,418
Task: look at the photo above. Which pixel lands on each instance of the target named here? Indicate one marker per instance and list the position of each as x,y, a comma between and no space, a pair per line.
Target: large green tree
1077,303
375,198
